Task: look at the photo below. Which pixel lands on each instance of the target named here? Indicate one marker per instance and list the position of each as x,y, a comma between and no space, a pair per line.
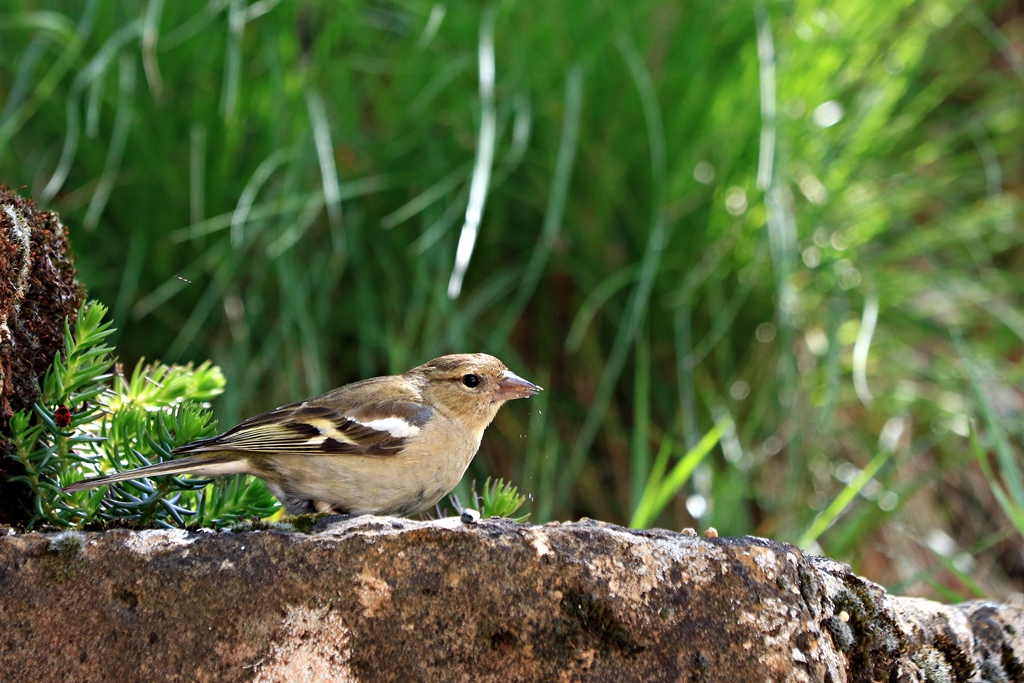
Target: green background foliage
776,216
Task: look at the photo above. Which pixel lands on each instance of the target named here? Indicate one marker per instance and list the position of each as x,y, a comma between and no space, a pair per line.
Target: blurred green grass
773,212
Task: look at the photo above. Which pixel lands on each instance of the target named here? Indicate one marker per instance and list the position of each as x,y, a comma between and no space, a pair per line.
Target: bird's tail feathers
210,465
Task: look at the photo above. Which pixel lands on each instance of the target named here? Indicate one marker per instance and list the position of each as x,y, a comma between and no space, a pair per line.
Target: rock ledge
386,599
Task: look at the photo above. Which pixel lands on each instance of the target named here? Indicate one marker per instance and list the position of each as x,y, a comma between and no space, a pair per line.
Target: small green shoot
499,499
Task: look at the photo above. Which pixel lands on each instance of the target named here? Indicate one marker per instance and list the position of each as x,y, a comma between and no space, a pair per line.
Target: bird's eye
470,380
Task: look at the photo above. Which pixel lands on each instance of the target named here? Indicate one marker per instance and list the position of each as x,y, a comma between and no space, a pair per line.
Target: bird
393,445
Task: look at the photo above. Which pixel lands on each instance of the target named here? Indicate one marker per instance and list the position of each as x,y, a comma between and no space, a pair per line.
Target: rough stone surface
386,599
37,292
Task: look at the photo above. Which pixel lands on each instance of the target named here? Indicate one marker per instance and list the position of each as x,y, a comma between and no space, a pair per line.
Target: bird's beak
513,386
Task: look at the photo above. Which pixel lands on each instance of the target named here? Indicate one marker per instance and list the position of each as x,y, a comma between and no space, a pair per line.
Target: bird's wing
349,420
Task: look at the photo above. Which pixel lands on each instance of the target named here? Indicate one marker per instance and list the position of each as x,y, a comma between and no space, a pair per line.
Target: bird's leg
293,505
331,515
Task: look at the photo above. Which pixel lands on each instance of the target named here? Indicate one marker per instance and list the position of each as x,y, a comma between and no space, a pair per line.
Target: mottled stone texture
383,599
37,292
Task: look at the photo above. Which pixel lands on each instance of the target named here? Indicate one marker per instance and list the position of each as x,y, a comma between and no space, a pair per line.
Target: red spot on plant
62,416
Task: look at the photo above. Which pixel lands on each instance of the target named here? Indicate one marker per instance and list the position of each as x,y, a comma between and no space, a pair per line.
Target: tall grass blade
197,174
660,490
118,140
556,204
48,83
766,62
150,36
829,515
486,140
862,346
245,201
325,154
632,319
1009,467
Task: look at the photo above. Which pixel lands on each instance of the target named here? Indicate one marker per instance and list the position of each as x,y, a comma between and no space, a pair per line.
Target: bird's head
470,387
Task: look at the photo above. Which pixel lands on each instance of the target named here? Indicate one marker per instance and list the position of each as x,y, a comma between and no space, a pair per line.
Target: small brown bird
391,445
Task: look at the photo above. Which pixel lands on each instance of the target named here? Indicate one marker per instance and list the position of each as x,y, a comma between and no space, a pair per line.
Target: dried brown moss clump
37,291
